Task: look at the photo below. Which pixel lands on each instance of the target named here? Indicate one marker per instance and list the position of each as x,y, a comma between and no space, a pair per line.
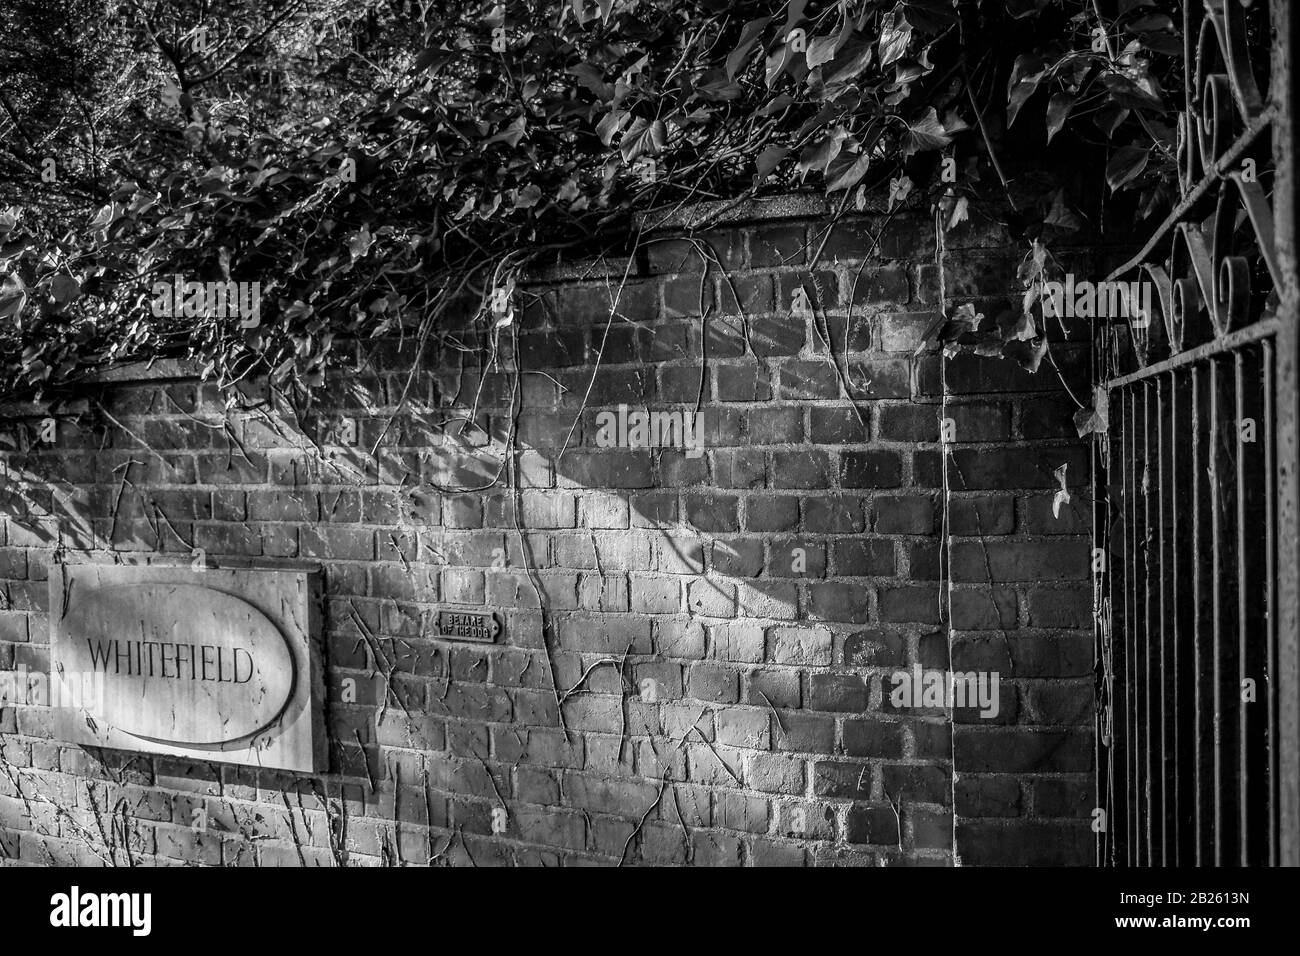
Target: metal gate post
1284,93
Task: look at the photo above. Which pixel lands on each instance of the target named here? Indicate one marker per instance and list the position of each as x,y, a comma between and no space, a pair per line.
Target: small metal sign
469,626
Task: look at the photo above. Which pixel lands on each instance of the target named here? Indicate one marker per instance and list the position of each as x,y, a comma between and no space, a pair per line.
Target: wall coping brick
730,212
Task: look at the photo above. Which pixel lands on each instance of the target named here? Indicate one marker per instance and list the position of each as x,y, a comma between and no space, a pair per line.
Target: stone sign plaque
460,625
217,664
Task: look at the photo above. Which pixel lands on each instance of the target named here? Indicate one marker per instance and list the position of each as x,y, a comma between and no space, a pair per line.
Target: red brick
1017,750
870,469
809,470
743,383
1025,843
843,693
778,246
839,426
1060,607
878,825
776,337
834,601
873,738
1020,560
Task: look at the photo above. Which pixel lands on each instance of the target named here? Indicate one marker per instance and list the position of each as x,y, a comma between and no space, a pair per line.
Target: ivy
375,165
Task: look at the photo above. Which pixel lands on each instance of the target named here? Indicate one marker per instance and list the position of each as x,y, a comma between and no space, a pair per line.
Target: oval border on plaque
131,614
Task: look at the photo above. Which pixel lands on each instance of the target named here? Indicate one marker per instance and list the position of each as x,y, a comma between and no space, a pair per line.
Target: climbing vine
376,166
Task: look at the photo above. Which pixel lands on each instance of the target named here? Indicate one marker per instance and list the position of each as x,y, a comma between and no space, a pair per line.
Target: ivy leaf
769,159
960,212
925,132
106,216
931,334
963,321
1108,118
776,64
610,124
529,196
1062,496
849,62
847,171
643,138
13,296
821,50
1019,96
1028,355
1058,110
510,135
1126,165
1134,94
748,37
593,78
818,157
1032,265
895,34
965,318
1095,420
1017,326
900,188
774,106
1023,84
64,289
360,243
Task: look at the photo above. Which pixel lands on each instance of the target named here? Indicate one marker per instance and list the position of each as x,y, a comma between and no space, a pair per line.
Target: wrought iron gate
1195,481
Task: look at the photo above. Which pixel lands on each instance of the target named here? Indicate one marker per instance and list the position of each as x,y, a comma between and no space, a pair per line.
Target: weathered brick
873,738
833,514
778,246
878,825
870,469
833,601
845,693
807,469
905,514
839,426
713,682
1060,607
1019,750
806,646
1026,843
743,383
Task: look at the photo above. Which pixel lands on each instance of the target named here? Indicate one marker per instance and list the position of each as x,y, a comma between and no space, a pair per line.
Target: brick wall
724,702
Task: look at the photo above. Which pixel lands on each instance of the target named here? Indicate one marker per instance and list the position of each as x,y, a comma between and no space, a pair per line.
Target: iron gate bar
1156,675
1185,596
1263,329
1165,399
1218,602
1130,634
1286,87
1270,601
1200,711
1257,633
1244,616
1150,611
